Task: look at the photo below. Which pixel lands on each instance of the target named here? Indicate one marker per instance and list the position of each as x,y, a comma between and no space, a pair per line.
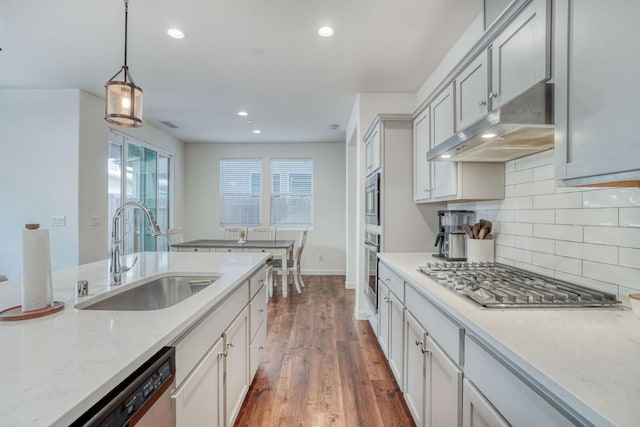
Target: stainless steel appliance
371,249
518,128
142,399
372,200
494,285
451,238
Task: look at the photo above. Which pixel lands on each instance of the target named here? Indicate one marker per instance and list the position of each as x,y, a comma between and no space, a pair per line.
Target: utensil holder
479,250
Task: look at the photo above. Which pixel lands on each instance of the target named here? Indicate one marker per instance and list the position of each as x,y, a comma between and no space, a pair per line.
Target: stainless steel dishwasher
142,399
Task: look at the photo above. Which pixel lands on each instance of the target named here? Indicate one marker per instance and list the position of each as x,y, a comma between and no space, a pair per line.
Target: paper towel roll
37,291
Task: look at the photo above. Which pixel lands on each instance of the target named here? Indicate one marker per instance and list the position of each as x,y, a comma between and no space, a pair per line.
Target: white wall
53,162
38,172
327,238
588,236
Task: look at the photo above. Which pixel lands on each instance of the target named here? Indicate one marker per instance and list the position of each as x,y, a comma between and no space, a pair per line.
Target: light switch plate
95,221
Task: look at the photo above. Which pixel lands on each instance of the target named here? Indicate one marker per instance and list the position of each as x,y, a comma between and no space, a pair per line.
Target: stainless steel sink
153,295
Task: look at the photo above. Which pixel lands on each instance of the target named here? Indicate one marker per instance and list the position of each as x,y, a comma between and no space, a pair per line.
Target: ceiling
262,56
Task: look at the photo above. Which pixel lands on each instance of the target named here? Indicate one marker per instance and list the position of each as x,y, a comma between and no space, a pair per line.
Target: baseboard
360,314
349,285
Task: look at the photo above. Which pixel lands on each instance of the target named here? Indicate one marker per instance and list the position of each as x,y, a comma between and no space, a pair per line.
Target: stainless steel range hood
520,127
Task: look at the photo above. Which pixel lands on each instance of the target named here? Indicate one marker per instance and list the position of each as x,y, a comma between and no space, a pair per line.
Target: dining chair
293,265
233,233
262,233
174,236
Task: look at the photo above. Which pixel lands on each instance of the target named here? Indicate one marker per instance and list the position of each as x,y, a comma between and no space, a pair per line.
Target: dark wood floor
321,367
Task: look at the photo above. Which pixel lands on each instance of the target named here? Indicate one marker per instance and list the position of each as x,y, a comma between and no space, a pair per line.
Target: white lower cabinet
396,338
198,400
236,341
476,409
384,318
443,388
415,362
215,363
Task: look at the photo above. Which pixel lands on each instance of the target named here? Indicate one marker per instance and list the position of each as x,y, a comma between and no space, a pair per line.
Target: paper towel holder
16,313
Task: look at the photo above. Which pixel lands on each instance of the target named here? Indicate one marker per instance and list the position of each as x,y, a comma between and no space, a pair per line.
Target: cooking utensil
485,228
467,229
476,230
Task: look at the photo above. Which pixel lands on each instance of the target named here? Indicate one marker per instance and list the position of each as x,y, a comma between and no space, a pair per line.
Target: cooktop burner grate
494,285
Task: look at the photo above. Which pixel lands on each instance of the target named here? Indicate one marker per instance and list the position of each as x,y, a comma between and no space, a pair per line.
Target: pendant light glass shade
123,99
123,103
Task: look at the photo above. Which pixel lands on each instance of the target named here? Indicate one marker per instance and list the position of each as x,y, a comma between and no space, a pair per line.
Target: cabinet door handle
260,348
260,311
261,281
387,280
493,95
386,299
425,351
418,342
482,103
230,345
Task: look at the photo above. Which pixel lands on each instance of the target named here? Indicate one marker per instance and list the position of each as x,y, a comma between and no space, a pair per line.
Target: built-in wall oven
371,249
372,200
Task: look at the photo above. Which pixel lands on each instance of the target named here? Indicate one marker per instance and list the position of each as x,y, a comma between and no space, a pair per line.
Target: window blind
292,193
240,192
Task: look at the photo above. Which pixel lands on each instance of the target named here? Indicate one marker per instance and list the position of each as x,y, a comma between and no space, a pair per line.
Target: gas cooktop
494,285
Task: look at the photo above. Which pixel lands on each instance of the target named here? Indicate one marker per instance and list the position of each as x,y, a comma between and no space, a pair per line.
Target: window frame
310,196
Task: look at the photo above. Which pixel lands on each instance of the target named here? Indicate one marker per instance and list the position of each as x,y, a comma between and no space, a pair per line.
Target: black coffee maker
451,238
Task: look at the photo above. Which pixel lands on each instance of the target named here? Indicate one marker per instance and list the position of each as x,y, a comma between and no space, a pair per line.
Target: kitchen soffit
256,55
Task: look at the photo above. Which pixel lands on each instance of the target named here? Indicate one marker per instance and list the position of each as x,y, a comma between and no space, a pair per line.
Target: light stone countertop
589,358
56,367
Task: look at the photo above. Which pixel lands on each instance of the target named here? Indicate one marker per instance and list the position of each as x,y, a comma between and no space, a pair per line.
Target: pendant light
123,99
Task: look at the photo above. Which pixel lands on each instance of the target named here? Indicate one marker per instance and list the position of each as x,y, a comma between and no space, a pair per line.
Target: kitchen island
56,367
579,363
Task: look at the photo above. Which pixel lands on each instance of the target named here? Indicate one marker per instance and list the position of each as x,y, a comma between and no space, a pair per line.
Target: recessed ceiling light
325,32
248,121
489,135
257,131
243,113
445,156
175,33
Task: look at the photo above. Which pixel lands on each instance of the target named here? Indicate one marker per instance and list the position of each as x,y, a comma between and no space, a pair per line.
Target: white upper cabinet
597,92
372,151
472,91
421,167
442,116
520,54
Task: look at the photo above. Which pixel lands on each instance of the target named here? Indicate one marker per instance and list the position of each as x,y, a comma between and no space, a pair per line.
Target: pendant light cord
126,26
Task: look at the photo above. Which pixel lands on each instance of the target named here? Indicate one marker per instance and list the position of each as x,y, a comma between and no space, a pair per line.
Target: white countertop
590,358
56,367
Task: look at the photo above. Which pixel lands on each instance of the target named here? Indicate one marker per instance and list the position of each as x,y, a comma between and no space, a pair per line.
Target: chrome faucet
116,269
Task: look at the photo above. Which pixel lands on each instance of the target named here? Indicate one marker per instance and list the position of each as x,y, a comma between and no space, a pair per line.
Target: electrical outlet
58,221
95,221
320,257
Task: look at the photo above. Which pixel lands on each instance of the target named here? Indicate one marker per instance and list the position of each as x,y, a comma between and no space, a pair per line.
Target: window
292,193
146,179
240,192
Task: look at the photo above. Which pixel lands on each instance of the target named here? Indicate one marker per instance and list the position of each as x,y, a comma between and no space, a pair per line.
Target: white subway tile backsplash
612,198
505,239
547,186
629,217
559,232
614,236
598,253
506,216
520,229
535,244
622,276
540,216
534,268
623,295
515,254
558,201
535,160
604,217
518,177
629,257
544,172
557,263
588,236
517,203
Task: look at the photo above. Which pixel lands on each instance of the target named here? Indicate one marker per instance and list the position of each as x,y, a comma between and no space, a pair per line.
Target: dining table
282,249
